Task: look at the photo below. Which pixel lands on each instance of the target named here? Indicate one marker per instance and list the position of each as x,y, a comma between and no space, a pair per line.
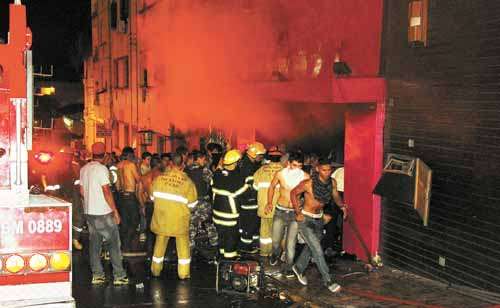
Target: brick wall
446,97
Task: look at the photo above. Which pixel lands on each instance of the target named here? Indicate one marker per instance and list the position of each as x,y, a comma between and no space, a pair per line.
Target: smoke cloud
204,58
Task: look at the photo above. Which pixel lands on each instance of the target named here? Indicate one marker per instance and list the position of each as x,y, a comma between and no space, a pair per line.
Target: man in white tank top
284,216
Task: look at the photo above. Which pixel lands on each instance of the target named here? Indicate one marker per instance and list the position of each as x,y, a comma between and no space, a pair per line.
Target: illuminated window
121,73
146,137
47,91
418,20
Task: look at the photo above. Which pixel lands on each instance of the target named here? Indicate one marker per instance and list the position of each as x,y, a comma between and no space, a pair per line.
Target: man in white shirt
284,215
102,217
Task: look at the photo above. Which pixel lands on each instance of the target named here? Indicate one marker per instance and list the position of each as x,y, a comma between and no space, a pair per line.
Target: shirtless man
284,216
318,191
129,177
144,194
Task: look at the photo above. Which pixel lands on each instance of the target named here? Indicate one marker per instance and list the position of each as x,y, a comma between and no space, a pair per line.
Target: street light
146,137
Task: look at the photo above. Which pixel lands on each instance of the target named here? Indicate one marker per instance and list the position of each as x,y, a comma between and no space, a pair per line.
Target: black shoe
273,260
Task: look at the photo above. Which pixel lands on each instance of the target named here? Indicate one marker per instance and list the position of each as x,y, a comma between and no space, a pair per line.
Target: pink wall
363,166
353,28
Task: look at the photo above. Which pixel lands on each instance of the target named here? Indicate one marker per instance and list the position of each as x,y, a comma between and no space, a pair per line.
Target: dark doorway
312,128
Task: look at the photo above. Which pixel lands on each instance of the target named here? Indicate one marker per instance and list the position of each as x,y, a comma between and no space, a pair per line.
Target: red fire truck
35,250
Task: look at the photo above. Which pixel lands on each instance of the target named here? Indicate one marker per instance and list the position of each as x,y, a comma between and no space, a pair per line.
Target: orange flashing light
59,261
47,91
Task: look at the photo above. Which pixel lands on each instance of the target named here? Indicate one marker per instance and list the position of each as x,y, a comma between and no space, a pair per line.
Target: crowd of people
261,201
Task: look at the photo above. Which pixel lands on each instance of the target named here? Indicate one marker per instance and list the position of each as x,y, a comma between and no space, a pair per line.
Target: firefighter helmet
274,151
255,149
232,157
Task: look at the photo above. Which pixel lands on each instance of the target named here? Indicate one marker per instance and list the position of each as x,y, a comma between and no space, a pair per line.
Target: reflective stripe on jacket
173,193
262,181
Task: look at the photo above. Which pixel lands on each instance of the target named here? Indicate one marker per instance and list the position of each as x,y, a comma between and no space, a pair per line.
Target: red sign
34,229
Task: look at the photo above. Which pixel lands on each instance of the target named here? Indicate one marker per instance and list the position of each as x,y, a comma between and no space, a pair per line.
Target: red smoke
203,57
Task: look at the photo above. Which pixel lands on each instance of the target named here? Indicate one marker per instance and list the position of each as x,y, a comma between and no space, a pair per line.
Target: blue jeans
104,227
281,220
311,230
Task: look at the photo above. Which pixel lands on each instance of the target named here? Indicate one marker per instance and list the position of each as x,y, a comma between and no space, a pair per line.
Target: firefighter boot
184,256
266,241
159,255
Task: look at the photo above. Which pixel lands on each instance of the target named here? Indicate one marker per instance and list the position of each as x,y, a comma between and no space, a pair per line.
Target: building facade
440,61
425,86
115,82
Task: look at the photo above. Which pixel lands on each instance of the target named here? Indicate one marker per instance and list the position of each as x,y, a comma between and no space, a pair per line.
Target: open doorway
364,101
310,128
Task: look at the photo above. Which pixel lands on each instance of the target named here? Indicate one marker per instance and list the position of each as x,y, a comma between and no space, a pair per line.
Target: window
116,134
126,135
144,84
113,15
124,10
96,99
121,72
101,82
145,78
134,137
161,144
418,20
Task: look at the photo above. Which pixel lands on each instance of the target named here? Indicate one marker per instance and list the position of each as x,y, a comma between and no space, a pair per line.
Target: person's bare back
129,175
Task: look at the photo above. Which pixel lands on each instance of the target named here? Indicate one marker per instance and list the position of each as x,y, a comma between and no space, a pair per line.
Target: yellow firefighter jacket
261,182
173,194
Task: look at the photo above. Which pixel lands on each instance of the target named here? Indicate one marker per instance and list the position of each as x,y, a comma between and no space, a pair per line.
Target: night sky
58,26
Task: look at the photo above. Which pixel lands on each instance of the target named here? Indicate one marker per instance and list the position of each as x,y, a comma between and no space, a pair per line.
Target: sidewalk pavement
383,287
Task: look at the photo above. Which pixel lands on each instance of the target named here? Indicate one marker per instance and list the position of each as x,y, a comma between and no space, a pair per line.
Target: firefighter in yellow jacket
262,180
173,194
